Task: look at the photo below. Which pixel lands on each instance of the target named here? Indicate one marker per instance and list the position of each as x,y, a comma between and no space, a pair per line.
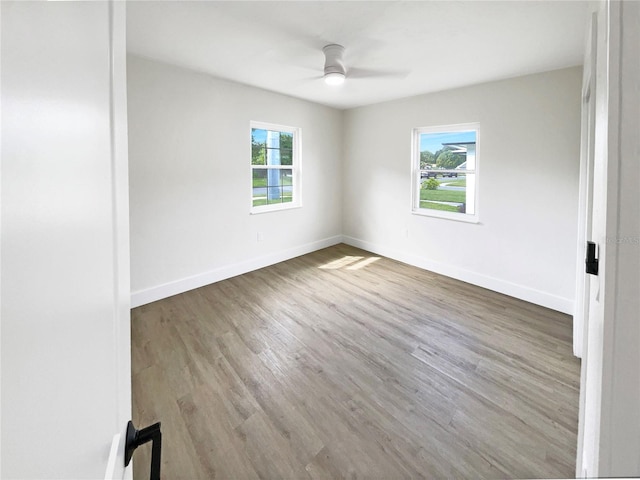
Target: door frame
608,436
585,194
120,195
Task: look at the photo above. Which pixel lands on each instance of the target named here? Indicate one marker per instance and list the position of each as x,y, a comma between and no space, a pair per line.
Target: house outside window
275,167
445,171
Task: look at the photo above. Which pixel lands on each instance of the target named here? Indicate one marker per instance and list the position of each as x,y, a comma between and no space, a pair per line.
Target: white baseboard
142,297
554,302
545,299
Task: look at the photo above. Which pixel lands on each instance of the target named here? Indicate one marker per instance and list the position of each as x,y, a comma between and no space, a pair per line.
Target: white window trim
417,181
296,167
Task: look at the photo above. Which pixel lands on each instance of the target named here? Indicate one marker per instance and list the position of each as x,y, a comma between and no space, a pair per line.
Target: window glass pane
286,177
441,174
274,194
448,150
286,157
259,186
471,193
286,140
258,146
258,155
273,147
444,193
259,177
286,180
272,185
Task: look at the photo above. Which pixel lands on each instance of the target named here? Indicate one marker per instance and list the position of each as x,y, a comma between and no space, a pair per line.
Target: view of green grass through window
447,170
272,162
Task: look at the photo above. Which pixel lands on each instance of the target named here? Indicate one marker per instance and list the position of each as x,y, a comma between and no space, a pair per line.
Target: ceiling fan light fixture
334,71
334,78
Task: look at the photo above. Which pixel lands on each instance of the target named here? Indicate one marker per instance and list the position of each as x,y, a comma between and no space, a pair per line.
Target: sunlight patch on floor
349,262
363,263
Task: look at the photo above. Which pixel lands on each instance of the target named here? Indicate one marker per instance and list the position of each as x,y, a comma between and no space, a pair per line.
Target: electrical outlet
405,232
260,236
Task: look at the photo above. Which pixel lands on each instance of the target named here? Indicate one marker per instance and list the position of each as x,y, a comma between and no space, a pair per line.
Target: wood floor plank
220,448
267,391
178,452
344,364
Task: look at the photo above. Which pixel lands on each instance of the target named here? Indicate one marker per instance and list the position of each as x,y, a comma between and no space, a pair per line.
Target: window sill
274,208
457,217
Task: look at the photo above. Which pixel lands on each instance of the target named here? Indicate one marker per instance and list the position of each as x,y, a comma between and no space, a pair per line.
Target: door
609,437
65,347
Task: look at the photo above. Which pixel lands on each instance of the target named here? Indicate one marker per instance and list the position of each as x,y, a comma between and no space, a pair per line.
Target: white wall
524,244
189,151
65,323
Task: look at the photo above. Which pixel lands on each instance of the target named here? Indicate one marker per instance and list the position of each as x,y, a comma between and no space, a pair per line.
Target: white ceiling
394,49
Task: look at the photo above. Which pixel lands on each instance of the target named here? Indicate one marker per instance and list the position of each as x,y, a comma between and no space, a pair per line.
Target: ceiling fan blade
307,80
372,73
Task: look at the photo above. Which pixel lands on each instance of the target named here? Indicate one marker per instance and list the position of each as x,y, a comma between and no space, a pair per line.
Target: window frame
295,167
417,180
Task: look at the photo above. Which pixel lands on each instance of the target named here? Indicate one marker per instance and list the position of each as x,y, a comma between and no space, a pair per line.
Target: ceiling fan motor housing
333,59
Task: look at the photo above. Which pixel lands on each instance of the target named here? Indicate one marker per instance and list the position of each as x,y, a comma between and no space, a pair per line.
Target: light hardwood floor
340,365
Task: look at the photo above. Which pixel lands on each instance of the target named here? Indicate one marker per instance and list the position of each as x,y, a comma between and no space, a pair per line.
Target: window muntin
275,166
445,171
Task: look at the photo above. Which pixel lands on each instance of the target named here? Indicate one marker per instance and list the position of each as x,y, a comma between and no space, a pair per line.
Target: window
445,171
275,167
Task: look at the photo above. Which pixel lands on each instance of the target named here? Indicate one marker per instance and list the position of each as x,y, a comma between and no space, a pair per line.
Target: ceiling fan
335,71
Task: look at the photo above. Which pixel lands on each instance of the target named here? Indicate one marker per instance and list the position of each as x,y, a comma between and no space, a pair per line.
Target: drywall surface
524,244
190,179
65,329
